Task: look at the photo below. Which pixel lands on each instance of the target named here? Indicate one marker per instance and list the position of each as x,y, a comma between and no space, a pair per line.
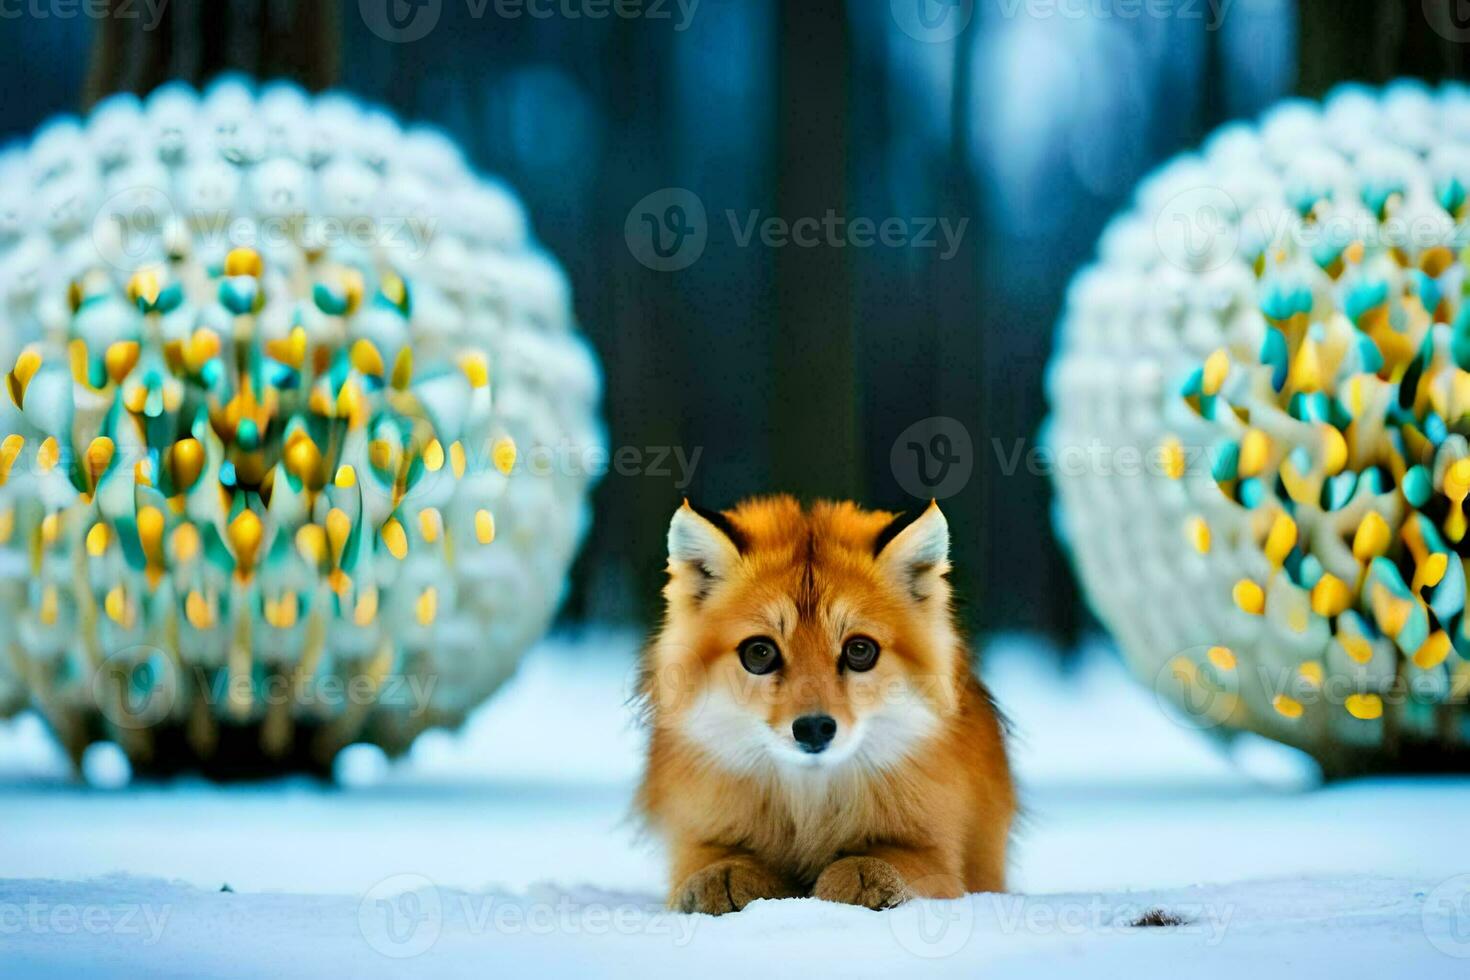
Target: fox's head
806,638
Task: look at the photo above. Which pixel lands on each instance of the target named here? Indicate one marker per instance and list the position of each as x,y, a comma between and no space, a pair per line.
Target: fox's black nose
814,732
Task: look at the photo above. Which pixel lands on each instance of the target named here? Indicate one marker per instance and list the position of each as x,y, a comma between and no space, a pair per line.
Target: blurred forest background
789,368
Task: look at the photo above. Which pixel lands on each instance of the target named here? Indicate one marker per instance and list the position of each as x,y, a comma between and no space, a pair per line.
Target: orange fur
914,795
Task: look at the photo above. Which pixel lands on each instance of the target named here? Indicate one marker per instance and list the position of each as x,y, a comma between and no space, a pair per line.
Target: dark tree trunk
1373,41
815,440
291,39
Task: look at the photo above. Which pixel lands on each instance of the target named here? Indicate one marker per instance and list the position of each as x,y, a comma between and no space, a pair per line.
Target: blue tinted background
797,368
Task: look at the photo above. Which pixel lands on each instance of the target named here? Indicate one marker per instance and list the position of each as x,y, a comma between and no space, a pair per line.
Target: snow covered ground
507,850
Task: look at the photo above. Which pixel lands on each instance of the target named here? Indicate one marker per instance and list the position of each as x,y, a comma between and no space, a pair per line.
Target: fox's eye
859,653
760,655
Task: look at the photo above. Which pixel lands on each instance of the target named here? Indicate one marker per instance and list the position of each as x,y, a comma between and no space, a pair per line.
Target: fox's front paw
728,886
867,881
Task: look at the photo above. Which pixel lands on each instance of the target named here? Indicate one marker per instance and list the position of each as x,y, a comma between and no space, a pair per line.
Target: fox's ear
705,543
917,554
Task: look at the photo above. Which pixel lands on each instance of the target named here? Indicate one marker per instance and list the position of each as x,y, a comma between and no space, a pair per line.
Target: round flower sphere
1260,408
293,437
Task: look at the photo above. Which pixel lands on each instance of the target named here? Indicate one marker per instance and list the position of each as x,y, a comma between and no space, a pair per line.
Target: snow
509,848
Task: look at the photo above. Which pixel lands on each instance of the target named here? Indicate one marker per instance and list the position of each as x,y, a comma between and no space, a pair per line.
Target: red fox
817,729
